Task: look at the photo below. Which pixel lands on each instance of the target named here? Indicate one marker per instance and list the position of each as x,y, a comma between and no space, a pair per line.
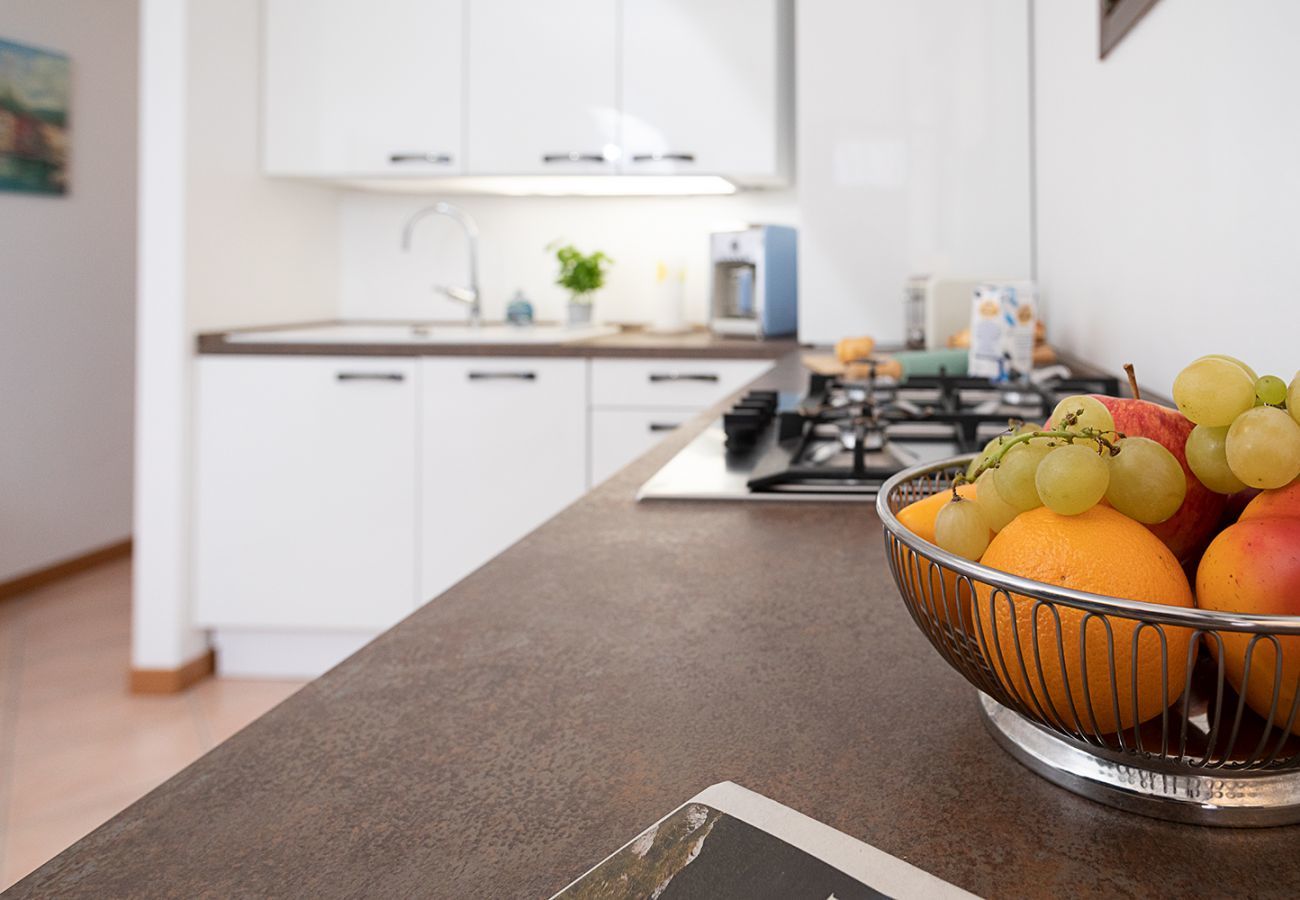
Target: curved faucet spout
468,295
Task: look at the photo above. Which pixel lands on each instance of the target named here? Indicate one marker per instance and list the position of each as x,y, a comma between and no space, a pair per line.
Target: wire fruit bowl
1068,680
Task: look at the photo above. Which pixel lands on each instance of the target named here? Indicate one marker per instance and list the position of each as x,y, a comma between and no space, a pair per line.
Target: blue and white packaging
1003,315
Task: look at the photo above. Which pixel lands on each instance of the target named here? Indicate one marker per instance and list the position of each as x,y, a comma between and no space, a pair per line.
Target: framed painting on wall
1117,19
35,87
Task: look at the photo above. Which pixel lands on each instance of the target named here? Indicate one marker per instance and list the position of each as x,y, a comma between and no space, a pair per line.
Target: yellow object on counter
851,349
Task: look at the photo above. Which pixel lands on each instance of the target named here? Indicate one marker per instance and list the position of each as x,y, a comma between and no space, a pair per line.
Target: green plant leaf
580,273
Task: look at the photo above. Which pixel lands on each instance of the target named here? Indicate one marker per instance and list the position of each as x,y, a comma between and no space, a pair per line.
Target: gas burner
849,436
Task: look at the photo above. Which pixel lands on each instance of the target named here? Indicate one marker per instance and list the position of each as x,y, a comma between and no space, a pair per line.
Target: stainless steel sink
419,333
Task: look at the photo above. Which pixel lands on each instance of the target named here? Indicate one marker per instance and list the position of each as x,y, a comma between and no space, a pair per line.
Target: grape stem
1065,434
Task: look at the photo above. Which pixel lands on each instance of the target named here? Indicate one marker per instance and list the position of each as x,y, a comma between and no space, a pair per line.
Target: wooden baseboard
41,577
173,681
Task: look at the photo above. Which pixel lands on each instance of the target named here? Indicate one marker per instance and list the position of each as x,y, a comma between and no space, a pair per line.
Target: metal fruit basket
1068,681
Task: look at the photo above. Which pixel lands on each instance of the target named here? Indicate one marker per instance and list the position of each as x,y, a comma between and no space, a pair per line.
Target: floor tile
65,777
91,718
34,841
100,669
75,746
227,705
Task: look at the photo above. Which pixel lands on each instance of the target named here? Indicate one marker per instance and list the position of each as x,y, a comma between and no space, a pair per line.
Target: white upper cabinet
359,89
363,87
542,91
705,87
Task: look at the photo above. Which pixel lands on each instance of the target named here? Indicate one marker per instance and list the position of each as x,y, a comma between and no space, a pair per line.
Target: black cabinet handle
574,156
439,158
370,376
663,157
683,376
502,376
663,426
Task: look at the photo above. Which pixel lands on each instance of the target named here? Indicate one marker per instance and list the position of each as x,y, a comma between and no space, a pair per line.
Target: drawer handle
682,376
664,426
664,157
502,376
370,376
439,158
574,156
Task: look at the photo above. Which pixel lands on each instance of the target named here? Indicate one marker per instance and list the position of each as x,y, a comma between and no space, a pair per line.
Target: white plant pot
579,313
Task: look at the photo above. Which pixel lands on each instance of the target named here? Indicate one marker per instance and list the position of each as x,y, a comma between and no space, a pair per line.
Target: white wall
258,250
67,311
913,152
380,281
220,247
913,156
1169,184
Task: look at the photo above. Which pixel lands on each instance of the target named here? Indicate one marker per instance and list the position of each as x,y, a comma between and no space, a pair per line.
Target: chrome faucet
468,295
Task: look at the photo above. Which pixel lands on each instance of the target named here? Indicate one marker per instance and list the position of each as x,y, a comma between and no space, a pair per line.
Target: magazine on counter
729,843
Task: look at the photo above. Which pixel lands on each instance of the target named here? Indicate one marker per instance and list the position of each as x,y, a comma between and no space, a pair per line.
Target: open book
728,842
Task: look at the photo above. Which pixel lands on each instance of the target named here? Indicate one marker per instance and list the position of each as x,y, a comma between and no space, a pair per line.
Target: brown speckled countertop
630,342
598,673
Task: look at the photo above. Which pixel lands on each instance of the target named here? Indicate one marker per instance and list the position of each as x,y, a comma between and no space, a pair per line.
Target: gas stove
842,439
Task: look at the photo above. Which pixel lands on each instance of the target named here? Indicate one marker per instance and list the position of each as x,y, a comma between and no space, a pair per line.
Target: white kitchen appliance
936,308
755,282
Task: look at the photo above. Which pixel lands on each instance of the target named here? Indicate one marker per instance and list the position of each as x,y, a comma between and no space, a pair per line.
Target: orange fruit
1103,552
937,591
1283,501
1254,567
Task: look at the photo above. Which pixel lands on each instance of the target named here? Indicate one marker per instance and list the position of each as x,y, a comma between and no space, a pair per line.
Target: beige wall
67,302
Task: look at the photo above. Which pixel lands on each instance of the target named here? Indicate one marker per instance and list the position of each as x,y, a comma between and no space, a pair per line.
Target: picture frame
35,95
1117,18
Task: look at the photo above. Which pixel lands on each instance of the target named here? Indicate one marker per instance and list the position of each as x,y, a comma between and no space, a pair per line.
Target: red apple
1191,528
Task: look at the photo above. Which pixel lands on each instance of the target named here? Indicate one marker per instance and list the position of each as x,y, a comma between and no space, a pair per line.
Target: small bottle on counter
519,311
670,300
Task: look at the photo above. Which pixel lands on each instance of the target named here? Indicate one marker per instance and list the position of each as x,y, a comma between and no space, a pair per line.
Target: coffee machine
755,289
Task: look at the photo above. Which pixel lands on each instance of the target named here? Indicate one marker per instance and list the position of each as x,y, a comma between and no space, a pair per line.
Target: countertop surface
607,667
631,343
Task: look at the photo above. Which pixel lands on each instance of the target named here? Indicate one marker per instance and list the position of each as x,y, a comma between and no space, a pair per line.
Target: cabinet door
670,383
363,87
702,86
619,436
542,87
305,492
503,450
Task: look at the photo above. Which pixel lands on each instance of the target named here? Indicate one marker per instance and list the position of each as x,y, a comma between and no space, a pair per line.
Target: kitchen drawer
619,436
670,383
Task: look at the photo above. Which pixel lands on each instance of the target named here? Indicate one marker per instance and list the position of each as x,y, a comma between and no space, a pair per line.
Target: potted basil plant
583,275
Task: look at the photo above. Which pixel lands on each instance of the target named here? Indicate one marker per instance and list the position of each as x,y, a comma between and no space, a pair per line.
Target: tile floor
75,746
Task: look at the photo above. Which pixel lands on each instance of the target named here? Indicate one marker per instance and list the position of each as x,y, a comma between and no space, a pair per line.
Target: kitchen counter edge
628,344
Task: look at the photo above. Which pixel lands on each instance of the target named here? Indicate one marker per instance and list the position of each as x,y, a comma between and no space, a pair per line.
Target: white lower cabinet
334,495
636,402
619,436
670,383
503,449
305,492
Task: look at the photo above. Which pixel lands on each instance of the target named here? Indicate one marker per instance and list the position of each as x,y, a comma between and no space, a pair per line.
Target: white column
162,634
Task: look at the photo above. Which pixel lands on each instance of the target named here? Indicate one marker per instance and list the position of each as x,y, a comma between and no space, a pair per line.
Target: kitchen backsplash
380,281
